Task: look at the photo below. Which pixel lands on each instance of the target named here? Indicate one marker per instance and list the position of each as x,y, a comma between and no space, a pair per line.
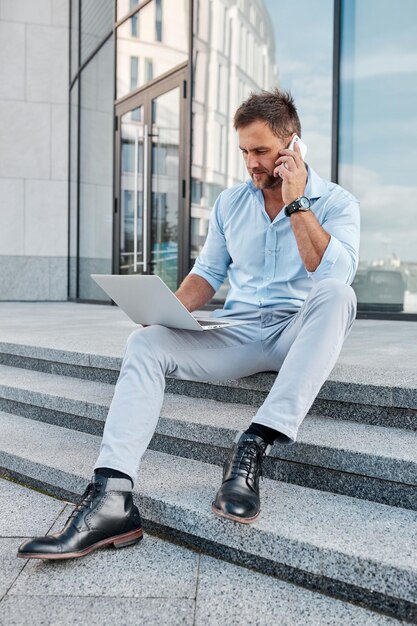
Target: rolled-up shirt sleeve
214,259
341,257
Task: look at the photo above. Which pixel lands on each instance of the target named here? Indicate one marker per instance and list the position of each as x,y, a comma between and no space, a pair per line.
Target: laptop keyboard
213,323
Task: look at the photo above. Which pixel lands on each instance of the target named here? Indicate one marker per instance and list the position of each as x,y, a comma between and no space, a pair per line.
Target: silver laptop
148,300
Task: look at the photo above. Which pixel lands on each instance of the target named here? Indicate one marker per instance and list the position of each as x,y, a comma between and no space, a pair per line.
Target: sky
303,42
378,141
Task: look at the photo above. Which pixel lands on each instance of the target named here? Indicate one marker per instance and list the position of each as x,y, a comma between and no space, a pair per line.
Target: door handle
135,204
145,198
145,138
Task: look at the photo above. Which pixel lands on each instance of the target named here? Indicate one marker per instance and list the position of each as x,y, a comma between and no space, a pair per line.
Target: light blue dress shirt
261,257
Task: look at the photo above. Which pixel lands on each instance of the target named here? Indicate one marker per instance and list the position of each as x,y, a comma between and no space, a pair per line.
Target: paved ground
157,582
153,583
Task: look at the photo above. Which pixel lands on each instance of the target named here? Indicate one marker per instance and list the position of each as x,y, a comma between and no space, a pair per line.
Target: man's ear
290,139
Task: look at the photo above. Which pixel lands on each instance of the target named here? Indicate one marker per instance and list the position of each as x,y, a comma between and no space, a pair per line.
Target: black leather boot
104,515
238,497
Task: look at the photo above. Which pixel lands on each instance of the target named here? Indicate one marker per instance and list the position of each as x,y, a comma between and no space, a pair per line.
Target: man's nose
252,161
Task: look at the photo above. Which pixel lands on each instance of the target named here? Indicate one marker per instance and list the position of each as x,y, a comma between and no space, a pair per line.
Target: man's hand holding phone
291,168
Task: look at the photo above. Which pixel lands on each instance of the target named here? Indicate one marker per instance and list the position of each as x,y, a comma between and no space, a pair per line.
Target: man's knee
335,293
151,339
139,340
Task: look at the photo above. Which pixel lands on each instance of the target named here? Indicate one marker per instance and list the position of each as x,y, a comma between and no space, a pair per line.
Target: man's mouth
264,180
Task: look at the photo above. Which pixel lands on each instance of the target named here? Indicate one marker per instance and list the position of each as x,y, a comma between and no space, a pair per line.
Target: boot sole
235,518
119,541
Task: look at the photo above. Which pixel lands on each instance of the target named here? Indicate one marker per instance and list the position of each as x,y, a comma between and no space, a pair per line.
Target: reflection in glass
165,190
379,289
74,37
237,50
134,72
306,69
131,192
96,24
378,147
96,171
231,57
124,7
158,20
157,36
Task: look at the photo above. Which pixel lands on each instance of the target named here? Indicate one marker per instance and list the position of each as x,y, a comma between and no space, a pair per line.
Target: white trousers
303,344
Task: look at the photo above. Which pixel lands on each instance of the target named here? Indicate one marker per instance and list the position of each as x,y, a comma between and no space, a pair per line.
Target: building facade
116,135
34,40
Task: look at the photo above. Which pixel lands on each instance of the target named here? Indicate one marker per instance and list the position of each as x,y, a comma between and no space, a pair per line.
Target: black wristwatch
300,204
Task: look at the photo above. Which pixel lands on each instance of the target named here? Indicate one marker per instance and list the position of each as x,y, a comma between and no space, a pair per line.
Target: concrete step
380,397
351,549
358,460
162,580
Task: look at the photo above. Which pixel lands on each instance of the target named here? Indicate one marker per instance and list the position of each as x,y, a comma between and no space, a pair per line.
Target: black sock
111,473
268,434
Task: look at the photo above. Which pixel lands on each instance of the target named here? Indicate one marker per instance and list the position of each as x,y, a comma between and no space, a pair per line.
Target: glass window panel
134,25
96,24
73,191
96,171
158,20
305,66
155,56
148,69
258,48
125,6
134,72
378,146
74,37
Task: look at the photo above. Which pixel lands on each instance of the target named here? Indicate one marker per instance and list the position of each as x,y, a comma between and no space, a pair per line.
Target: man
288,241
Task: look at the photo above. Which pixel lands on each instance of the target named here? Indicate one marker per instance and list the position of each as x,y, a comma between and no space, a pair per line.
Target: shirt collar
315,187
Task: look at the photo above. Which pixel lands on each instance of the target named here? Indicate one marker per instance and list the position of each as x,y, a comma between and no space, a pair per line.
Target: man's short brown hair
276,108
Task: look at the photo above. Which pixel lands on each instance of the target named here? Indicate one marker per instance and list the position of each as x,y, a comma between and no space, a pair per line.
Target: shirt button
269,251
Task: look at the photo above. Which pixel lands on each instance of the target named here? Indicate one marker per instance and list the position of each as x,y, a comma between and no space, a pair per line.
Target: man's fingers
288,162
283,159
282,171
295,154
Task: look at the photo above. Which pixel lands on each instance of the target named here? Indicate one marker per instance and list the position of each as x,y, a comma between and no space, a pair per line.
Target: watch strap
295,206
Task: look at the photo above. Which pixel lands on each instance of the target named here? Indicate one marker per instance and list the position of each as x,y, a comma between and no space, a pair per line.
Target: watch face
304,202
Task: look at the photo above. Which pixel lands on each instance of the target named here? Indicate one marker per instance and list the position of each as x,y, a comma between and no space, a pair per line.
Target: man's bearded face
260,147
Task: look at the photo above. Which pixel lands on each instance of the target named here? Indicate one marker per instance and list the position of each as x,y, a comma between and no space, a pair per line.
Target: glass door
165,186
150,203
134,135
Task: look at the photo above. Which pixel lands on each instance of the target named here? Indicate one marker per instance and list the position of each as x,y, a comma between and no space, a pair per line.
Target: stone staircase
339,508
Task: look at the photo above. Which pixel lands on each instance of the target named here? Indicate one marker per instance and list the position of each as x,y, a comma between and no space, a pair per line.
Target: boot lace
249,455
86,500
